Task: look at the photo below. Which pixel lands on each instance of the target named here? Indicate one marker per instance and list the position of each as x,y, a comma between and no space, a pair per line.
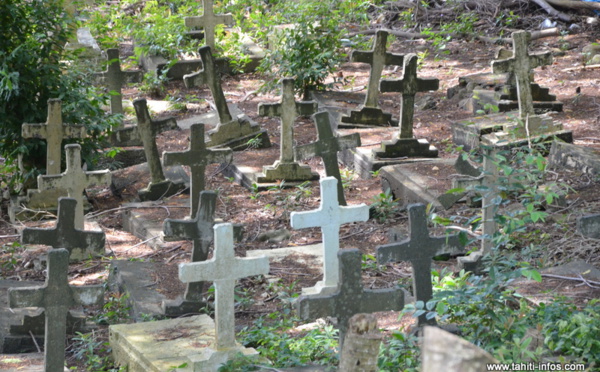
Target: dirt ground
575,86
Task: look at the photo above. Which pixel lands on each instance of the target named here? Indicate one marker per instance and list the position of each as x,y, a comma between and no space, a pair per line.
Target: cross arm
313,307
194,22
450,245
102,177
220,155
88,295
307,151
501,66
391,85
540,59
306,108
34,130
304,220
388,299
175,158
392,252
360,56
354,213
185,229
349,141
26,297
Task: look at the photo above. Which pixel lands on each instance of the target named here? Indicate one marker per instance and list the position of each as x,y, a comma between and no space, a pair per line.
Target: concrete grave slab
565,155
327,147
329,217
377,58
56,297
230,132
350,297
419,249
79,243
30,362
421,182
9,318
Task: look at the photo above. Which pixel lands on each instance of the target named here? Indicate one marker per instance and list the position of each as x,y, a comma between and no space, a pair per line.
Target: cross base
406,147
163,189
180,306
319,289
472,263
292,172
368,116
210,359
538,128
238,134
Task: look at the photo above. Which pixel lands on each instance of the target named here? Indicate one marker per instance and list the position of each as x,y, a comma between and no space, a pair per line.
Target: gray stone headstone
53,131
229,130
350,298
286,168
159,187
419,249
224,269
75,180
327,146
197,157
377,58
408,86
208,21
79,243
329,217
113,79
200,231
56,297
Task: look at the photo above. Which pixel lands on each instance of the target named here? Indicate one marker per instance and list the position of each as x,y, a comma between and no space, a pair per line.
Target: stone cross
208,20
488,204
54,131
79,243
350,297
197,157
113,78
377,58
210,76
56,297
200,231
408,86
224,269
288,109
75,180
419,249
520,66
159,187
327,147
329,217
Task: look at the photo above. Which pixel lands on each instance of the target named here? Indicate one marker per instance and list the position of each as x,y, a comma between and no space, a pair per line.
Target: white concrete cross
224,269
329,217
75,180
208,20
54,132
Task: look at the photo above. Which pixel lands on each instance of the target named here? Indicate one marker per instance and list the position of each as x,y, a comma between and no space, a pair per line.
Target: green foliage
400,353
93,352
384,206
115,310
34,67
11,254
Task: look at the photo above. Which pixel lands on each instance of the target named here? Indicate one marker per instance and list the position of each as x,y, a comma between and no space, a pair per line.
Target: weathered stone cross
197,157
113,78
520,66
419,249
75,180
159,186
327,147
350,297
408,86
210,76
200,231
329,217
208,20
286,168
223,269
56,297
79,243
378,58
54,132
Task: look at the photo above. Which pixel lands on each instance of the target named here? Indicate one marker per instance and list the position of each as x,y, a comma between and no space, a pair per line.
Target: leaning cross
56,297
54,131
378,58
74,180
520,66
419,249
350,297
209,76
408,86
327,147
197,157
148,133
65,235
208,20
329,217
288,109
114,77
200,230
223,269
